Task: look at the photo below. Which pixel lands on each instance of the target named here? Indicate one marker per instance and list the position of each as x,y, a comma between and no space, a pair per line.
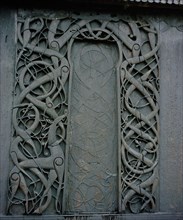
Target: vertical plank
171,119
7,58
92,180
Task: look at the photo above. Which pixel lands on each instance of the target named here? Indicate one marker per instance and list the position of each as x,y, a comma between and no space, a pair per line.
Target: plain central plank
92,159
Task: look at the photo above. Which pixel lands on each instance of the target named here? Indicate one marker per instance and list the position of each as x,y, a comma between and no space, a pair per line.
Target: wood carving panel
118,81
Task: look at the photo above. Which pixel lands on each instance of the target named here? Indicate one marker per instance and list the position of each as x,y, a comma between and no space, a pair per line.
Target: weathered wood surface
171,121
40,143
7,62
171,117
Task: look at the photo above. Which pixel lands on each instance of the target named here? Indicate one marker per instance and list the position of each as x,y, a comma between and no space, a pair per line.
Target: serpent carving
41,111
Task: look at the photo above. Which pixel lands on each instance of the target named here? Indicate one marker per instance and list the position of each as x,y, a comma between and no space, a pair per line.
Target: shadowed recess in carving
92,178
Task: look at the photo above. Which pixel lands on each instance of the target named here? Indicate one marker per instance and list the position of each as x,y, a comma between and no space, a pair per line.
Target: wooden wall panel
171,119
7,61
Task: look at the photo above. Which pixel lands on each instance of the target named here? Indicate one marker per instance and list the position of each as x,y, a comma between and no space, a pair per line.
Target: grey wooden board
94,129
171,120
7,58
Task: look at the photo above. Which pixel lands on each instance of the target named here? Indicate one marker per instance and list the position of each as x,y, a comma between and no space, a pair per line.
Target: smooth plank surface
7,62
171,118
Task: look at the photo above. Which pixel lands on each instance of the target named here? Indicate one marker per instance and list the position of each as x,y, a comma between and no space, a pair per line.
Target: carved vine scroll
41,111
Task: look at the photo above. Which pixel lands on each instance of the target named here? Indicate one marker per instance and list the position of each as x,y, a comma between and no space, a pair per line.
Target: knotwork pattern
41,110
39,120
140,122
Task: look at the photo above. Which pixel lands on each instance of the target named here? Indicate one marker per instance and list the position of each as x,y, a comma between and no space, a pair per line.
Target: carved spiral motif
41,103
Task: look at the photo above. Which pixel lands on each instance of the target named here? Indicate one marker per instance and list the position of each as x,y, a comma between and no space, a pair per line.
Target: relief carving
140,125
45,122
